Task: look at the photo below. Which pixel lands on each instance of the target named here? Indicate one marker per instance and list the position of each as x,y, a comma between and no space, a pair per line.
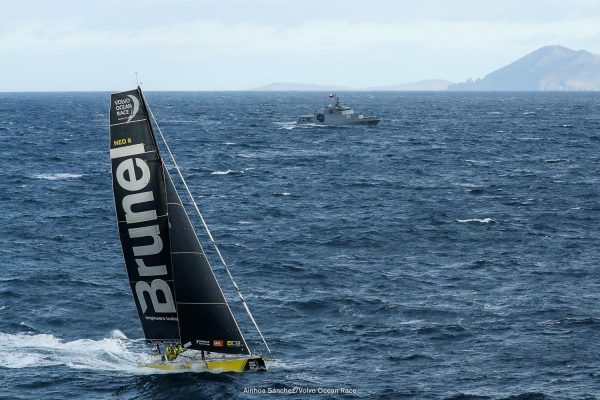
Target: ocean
451,252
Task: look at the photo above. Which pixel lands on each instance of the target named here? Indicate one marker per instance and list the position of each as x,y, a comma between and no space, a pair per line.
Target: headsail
205,320
177,295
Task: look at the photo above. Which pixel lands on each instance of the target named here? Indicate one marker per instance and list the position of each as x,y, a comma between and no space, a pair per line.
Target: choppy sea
452,252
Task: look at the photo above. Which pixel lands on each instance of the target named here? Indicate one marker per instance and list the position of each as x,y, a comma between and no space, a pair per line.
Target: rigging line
206,227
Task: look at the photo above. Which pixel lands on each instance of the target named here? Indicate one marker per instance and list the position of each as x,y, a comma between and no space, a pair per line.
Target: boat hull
238,364
368,121
308,119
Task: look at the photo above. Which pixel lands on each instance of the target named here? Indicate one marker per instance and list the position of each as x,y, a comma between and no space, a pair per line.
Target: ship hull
228,364
368,121
338,121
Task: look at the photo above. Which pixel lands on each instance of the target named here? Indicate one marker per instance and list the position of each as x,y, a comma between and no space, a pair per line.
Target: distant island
300,87
549,68
425,85
430,84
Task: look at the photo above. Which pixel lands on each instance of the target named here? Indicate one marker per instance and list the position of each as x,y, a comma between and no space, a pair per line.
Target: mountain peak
547,68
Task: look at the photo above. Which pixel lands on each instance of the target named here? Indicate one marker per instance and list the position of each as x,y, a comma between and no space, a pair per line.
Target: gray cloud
240,44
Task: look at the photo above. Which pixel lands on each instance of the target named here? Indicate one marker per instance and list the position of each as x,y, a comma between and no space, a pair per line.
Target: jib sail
205,320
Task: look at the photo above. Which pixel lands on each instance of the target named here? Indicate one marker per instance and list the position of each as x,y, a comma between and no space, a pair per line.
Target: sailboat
180,303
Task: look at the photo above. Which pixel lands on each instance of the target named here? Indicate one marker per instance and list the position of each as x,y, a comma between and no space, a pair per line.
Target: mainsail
176,293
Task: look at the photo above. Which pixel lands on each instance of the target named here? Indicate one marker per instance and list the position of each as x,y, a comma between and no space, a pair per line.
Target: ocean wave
24,350
410,357
293,125
528,396
476,220
529,138
248,155
478,162
57,176
466,396
555,160
287,125
227,172
116,353
589,321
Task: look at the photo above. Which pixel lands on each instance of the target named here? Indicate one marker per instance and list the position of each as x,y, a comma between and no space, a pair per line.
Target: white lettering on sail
126,151
133,175
131,182
147,270
157,285
141,216
127,107
150,231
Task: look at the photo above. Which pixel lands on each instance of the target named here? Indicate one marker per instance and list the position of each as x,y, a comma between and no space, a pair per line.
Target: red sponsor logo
218,343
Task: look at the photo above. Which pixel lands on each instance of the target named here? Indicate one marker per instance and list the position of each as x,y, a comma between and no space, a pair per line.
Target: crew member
170,353
178,349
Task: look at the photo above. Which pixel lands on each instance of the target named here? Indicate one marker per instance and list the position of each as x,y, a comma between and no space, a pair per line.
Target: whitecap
248,155
287,125
117,334
476,220
57,176
477,162
528,138
555,160
116,353
28,326
229,171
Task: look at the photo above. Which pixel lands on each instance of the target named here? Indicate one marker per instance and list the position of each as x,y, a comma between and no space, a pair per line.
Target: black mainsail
176,293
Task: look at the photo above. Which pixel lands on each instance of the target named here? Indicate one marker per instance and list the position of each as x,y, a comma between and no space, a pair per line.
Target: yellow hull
244,364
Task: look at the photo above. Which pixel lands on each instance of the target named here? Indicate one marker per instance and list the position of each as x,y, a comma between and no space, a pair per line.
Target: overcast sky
241,44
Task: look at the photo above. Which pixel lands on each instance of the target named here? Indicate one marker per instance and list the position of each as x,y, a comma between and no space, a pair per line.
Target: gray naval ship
337,115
